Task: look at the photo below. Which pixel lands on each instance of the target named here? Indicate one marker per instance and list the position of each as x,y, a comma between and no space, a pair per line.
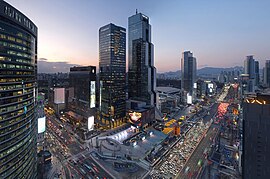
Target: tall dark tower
141,70
189,75
112,66
256,135
18,93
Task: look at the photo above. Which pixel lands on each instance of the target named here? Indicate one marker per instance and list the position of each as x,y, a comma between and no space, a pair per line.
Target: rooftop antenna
136,11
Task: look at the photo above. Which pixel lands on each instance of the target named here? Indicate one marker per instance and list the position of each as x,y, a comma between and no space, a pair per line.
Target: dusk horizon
212,31
139,89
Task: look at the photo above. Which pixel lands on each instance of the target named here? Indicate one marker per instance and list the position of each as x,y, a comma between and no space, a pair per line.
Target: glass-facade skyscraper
112,76
266,73
188,74
251,67
18,93
141,70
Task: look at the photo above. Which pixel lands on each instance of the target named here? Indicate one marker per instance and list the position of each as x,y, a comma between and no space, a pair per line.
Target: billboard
92,94
135,117
59,95
210,85
189,99
41,124
91,120
100,93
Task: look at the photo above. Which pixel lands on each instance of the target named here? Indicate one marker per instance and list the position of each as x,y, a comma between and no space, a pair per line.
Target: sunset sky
220,33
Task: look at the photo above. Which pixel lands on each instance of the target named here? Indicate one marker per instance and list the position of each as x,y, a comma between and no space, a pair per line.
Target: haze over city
213,30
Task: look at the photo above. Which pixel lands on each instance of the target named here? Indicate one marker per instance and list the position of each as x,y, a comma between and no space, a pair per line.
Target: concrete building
83,80
168,99
80,95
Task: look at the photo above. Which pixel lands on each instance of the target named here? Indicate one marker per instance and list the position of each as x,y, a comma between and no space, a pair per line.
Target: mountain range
206,71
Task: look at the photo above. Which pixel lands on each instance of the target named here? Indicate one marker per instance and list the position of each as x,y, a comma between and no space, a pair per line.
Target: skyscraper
266,75
249,68
256,145
141,70
112,66
257,73
18,92
188,74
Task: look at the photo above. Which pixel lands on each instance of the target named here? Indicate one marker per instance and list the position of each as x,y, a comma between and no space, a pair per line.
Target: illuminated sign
18,17
41,124
92,94
210,85
189,99
91,123
100,94
135,116
195,85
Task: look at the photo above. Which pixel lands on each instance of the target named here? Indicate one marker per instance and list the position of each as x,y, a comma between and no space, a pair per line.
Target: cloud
44,66
42,59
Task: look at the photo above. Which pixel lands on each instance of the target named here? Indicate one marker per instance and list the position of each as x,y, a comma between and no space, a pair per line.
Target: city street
198,155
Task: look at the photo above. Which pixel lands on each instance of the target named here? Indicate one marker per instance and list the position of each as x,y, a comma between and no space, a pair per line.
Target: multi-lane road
192,167
70,158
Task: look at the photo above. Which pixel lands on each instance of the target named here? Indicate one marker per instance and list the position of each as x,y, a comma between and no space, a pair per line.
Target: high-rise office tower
189,75
141,70
83,80
256,145
257,73
112,66
249,68
266,76
18,92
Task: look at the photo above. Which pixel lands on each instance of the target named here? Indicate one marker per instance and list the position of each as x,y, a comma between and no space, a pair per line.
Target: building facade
41,121
112,76
83,80
188,75
266,76
141,70
257,73
256,145
18,92
249,68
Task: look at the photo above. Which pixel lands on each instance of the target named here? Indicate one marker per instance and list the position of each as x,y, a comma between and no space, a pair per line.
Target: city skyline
211,30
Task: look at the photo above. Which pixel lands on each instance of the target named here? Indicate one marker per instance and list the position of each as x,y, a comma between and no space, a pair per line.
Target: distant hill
214,70
203,71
